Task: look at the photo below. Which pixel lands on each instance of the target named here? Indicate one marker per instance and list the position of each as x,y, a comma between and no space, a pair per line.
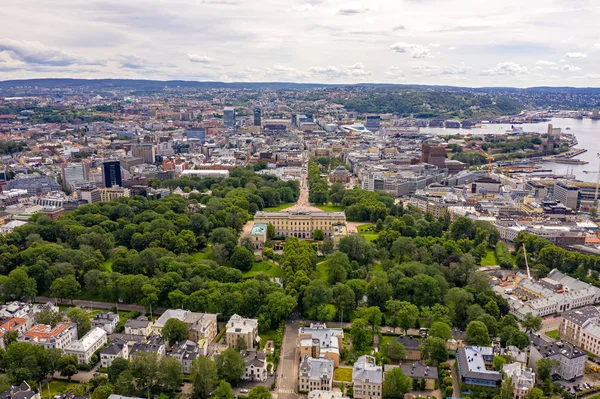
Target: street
287,372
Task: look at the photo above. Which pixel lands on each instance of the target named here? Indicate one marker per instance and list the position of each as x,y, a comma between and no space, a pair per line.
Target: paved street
96,304
455,380
287,372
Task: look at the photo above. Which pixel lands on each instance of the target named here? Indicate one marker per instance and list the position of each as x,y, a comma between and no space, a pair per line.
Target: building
373,122
59,337
85,347
258,235
256,365
580,327
340,174
111,173
239,328
257,116
472,362
367,378
112,193
301,223
114,350
186,351
144,151
200,325
418,371
318,341
523,378
154,344
106,321
571,360
567,194
315,374
434,155
22,391
91,195
74,173
195,134
141,326
412,346
325,395
229,117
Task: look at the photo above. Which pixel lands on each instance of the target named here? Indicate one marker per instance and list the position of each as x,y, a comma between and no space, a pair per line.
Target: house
15,309
59,337
17,324
514,352
22,391
154,344
571,360
185,352
241,328
412,346
106,321
471,362
367,378
141,326
200,325
315,374
114,350
256,365
319,341
523,378
419,371
85,348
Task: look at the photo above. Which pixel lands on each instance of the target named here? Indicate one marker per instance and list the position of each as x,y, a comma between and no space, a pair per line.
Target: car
572,393
244,391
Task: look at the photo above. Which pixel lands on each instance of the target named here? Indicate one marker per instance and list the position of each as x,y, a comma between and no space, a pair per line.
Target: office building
257,116
318,341
473,362
567,194
571,360
434,155
111,172
144,151
315,374
74,173
195,134
373,122
580,327
91,195
59,337
112,193
367,378
229,117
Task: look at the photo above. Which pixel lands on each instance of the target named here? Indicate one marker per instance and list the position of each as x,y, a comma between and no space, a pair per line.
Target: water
587,132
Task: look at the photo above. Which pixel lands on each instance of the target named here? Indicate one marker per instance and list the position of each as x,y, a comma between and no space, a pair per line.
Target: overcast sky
459,42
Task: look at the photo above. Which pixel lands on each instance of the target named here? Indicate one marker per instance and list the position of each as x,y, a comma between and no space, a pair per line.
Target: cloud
432,70
458,69
353,9
201,59
452,48
505,69
596,47
35,53
394,71
398,27
357,69
132,61
304,7
415,50
571,68
576,55
221,2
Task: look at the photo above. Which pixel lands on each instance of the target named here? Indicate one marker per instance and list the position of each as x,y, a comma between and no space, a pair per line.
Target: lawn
368,232
329,208
490,258
552,334
270,269
280,207
267,336
57,387
343,374
323,271
205,254
108,265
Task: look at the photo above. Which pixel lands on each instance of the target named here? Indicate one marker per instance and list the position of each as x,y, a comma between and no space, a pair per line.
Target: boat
568,128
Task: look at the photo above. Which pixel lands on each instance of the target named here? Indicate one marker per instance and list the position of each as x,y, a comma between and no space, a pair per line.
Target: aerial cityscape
291,200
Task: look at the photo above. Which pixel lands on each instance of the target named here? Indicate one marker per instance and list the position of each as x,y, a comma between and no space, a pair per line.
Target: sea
587,132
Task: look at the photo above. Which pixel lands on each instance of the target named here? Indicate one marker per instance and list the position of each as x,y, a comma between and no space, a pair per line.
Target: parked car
244,391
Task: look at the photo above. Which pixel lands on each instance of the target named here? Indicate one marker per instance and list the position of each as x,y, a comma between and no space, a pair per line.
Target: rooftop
366,370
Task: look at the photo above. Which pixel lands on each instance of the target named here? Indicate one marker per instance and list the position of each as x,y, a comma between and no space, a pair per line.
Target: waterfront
587,132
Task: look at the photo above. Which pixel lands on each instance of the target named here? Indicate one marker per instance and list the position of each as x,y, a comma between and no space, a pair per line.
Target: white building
256,365
523,378
85,348
315,374
571,360
141,327
113,351
367,378
59,337
106,321
239,327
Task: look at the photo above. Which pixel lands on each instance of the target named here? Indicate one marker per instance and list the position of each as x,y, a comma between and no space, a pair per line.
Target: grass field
206,253
329,208
280,207
57,387
490,258
343,374
552,334
270,269
368,232
323,271
267,336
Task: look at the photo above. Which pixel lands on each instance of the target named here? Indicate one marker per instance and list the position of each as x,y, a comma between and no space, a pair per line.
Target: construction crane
490,160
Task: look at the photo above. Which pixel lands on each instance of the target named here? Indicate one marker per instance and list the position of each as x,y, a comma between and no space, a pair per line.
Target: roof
41,333
366,370
114,348
253,357
522,377
409,342
185,316
138,323
581,315
320,335
315,369
555,349
318,394
473,365
22,391
88,340
259,229
239,324
419,370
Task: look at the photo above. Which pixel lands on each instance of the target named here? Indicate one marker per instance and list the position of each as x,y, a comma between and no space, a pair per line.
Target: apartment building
367,378
319,341
114,350
106,321
412,348
18,324
523,378
256,365
473,363
85,347
571,359
419,371
185,352
141,326
580,327
315,374
239,327
200,325
154,344
59,337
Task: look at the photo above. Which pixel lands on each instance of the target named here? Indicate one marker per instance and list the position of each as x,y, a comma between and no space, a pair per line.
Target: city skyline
460,43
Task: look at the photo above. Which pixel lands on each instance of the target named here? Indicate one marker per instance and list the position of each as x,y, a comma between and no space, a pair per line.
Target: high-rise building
566,194
74,173
434,155
144,151
373,122
111,172
257,116
196,134
229,117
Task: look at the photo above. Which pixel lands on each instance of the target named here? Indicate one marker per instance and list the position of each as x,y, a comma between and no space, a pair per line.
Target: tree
231,366
270,234
204,377
434,350
395,350
259,392
532,323
360,335
10,337
440,330
339,264
535,393
67,366
174,330
499,361
103,391
519,339
327,246
396,384
48,317
224,391
477,334
118,366
65,287
169,374
80,317
242,258
318,235
125,384
240,344
506,390
19,285
545,367
405,313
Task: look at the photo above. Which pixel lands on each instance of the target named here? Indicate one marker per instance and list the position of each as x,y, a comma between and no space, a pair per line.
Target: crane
489,158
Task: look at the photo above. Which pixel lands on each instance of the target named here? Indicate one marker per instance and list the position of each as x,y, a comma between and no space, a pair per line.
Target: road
287,371
455,380
97,305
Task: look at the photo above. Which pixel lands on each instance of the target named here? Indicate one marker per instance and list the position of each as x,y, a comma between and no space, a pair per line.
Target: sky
473,43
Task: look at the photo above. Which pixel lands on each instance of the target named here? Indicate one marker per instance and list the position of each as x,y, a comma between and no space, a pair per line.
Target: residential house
514,352
18,324
412,346
59,337
141,326
154,344
241,328
315,374
106,321
85,347
114,350
472,362
523,378
200,325
22,391
367,378
571,360
418,371
256,365
319,341
185,352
